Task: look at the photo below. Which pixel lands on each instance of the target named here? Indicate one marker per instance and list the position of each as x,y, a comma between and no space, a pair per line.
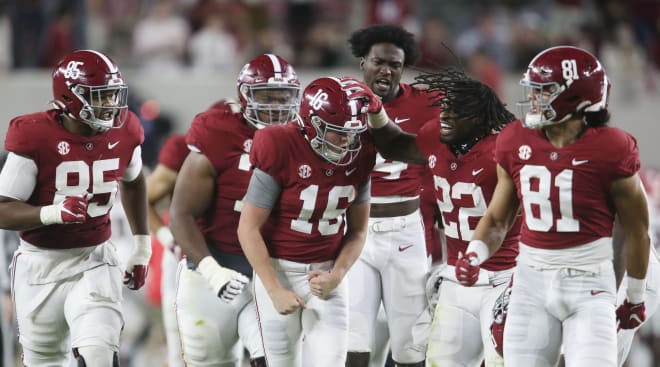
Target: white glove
138,263
73,209
226,283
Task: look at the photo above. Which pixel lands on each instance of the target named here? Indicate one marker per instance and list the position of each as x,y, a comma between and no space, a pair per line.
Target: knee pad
99,355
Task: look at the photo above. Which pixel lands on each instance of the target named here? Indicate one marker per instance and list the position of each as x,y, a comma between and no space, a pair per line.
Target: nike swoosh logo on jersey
575,162
398,120
350,171
404,248
594,292
112,145
476,171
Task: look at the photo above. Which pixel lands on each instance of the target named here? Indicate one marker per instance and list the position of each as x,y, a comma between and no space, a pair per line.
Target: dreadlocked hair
453,90
362,40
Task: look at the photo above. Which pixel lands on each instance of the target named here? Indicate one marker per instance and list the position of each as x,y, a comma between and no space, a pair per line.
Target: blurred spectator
212,47
490,35
527,38
323,45
300,16
273,40
59,36
159,41
389,11
624,61
28,25
435,46
5,38
485,69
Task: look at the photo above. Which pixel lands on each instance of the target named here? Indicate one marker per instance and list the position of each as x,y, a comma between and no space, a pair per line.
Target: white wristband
214,274
480,248
142,251
636,290
165,237
378,120
50,214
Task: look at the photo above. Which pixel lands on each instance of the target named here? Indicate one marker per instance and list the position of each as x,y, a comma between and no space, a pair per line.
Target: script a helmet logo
72,71
318,100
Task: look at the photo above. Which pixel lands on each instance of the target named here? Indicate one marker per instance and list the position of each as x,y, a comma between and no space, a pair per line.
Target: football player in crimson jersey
393,264
62,174
569,174
160,185
214,302
304,222
464,176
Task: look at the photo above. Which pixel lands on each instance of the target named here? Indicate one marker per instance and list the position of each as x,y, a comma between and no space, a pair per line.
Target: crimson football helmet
270,73
88,87
326,108
561,82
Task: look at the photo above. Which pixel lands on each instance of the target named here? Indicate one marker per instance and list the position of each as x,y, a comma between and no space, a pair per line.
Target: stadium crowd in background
176,36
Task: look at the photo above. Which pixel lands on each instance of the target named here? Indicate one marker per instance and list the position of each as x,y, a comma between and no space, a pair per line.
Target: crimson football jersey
410,111
173,152
225,139
564,192
71,164
464,186
307,223
428,207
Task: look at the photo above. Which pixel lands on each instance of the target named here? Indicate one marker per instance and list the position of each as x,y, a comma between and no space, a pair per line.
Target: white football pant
315,335
548,307
391,269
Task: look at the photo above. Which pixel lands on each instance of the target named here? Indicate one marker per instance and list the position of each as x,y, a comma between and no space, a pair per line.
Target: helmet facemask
536,107
103,107
334,153
279,102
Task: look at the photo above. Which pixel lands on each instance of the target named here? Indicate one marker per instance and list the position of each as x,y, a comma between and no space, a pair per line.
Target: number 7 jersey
71,164
564,192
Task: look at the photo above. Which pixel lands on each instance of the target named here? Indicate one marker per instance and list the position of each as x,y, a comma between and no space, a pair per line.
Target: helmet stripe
277,67
111,66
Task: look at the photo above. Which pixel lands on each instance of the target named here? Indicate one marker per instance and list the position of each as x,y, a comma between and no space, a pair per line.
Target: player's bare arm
630,202
16,215
395,144
500,215
134,201
160,184
17,183
254,247
193,193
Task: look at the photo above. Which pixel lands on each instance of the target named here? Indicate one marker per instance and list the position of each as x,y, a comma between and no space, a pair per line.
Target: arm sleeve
364,192
18,177
134,166
263,191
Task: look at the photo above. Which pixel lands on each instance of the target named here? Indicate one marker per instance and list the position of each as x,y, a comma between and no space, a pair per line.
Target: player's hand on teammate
285,300
73,209
322,283
137,266
226,283
630,315
467,268
356,89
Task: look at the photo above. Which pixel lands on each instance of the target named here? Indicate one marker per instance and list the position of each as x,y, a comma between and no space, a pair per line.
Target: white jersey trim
18,177
134,167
